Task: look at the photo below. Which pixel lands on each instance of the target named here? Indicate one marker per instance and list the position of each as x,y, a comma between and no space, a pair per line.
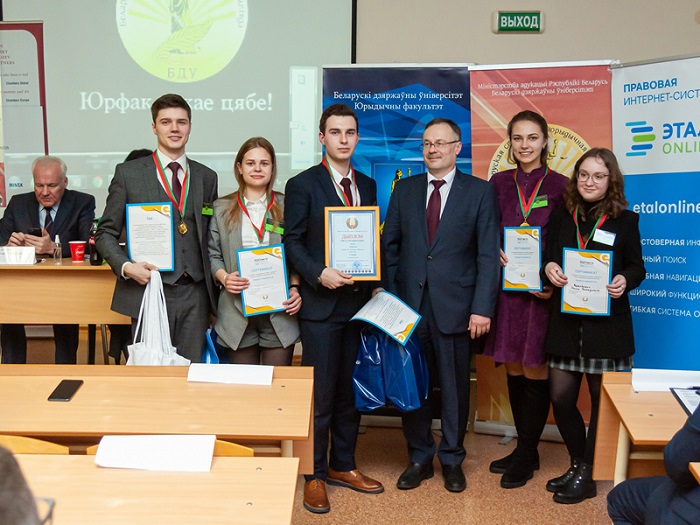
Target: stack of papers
171,453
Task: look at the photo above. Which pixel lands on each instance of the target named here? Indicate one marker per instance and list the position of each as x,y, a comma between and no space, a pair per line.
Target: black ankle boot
524,463
499,466
516,395
557,484
579,488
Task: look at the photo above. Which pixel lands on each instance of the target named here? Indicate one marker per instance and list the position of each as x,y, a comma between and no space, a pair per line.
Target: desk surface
695,469
84,291
155,400
650,419
236,490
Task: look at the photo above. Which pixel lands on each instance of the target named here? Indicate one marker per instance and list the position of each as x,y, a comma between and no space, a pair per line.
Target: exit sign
518,22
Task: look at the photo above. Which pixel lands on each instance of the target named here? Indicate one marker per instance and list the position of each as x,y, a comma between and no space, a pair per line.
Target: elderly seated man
54,210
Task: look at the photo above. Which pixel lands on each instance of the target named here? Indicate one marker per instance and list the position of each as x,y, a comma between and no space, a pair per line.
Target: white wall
424,31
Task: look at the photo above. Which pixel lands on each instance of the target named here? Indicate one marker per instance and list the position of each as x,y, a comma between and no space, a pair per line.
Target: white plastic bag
152,344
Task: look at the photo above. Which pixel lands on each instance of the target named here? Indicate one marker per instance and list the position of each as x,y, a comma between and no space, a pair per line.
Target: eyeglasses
582,176
440,144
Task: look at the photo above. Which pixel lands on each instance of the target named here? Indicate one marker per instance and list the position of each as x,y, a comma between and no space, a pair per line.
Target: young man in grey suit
55,210
441,253
167,175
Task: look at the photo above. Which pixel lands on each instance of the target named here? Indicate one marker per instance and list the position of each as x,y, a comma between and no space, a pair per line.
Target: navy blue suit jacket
683,449
72,223
306,196
461,265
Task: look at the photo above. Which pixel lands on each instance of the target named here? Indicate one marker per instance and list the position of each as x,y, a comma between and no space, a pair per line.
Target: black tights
255,355
564,388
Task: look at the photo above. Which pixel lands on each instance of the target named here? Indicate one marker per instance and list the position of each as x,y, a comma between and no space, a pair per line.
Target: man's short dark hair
337,110
170,100
451,123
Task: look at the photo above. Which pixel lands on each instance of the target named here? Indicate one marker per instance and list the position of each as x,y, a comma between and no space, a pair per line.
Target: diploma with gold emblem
390,314
588,272
266,270
149,234
352,241
523,248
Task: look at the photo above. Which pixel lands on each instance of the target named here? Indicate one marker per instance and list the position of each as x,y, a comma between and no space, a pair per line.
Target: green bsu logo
182,40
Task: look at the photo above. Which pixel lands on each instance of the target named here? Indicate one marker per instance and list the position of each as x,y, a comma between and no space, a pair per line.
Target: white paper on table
170,453
656,380
17,256
150,234
390,314
231,374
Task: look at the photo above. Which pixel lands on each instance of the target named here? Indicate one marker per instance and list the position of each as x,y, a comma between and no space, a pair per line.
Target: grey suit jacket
136,181
223,243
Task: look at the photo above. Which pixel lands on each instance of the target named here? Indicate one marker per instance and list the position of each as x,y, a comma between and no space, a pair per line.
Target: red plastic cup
77,251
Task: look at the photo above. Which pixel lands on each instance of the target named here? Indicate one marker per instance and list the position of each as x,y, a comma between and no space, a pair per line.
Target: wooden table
695,469
633,428
114,400
236,490
77,294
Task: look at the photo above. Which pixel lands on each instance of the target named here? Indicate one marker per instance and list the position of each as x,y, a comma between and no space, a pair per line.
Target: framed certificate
266,269
352,241
523,247
150,234
390,314
588,273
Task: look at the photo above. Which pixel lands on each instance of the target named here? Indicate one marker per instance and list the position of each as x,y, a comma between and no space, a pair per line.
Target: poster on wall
22,110
565,95
562,93
656,134
393,105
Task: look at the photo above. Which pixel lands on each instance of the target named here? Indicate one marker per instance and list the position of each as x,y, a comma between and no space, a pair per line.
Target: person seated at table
55,210
670,499
247,218
17,505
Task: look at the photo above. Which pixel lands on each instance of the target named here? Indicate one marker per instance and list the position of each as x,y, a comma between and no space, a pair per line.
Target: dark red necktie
345,183
176,186
433,211
48,221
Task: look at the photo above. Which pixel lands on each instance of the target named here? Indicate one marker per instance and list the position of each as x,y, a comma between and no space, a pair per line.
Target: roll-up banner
574,98
656,134
393,105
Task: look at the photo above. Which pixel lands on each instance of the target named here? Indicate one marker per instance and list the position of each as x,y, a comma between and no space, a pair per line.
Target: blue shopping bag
386,371
209,355
406,378
368,378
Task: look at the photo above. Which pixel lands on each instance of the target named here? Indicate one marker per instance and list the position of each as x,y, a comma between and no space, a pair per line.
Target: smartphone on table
65,390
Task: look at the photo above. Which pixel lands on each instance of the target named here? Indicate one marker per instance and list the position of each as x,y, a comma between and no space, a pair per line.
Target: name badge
540,202
603,237
207,209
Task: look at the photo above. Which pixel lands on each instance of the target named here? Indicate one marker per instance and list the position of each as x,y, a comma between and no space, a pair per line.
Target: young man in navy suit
330,299
441,253
57,211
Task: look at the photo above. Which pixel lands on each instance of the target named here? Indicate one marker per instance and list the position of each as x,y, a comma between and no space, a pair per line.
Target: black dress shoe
454,478
414,474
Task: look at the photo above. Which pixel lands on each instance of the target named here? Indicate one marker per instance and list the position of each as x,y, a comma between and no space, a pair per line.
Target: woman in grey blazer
250,217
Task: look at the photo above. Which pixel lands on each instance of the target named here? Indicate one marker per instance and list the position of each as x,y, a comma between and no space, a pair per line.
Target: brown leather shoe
315,497
354,480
